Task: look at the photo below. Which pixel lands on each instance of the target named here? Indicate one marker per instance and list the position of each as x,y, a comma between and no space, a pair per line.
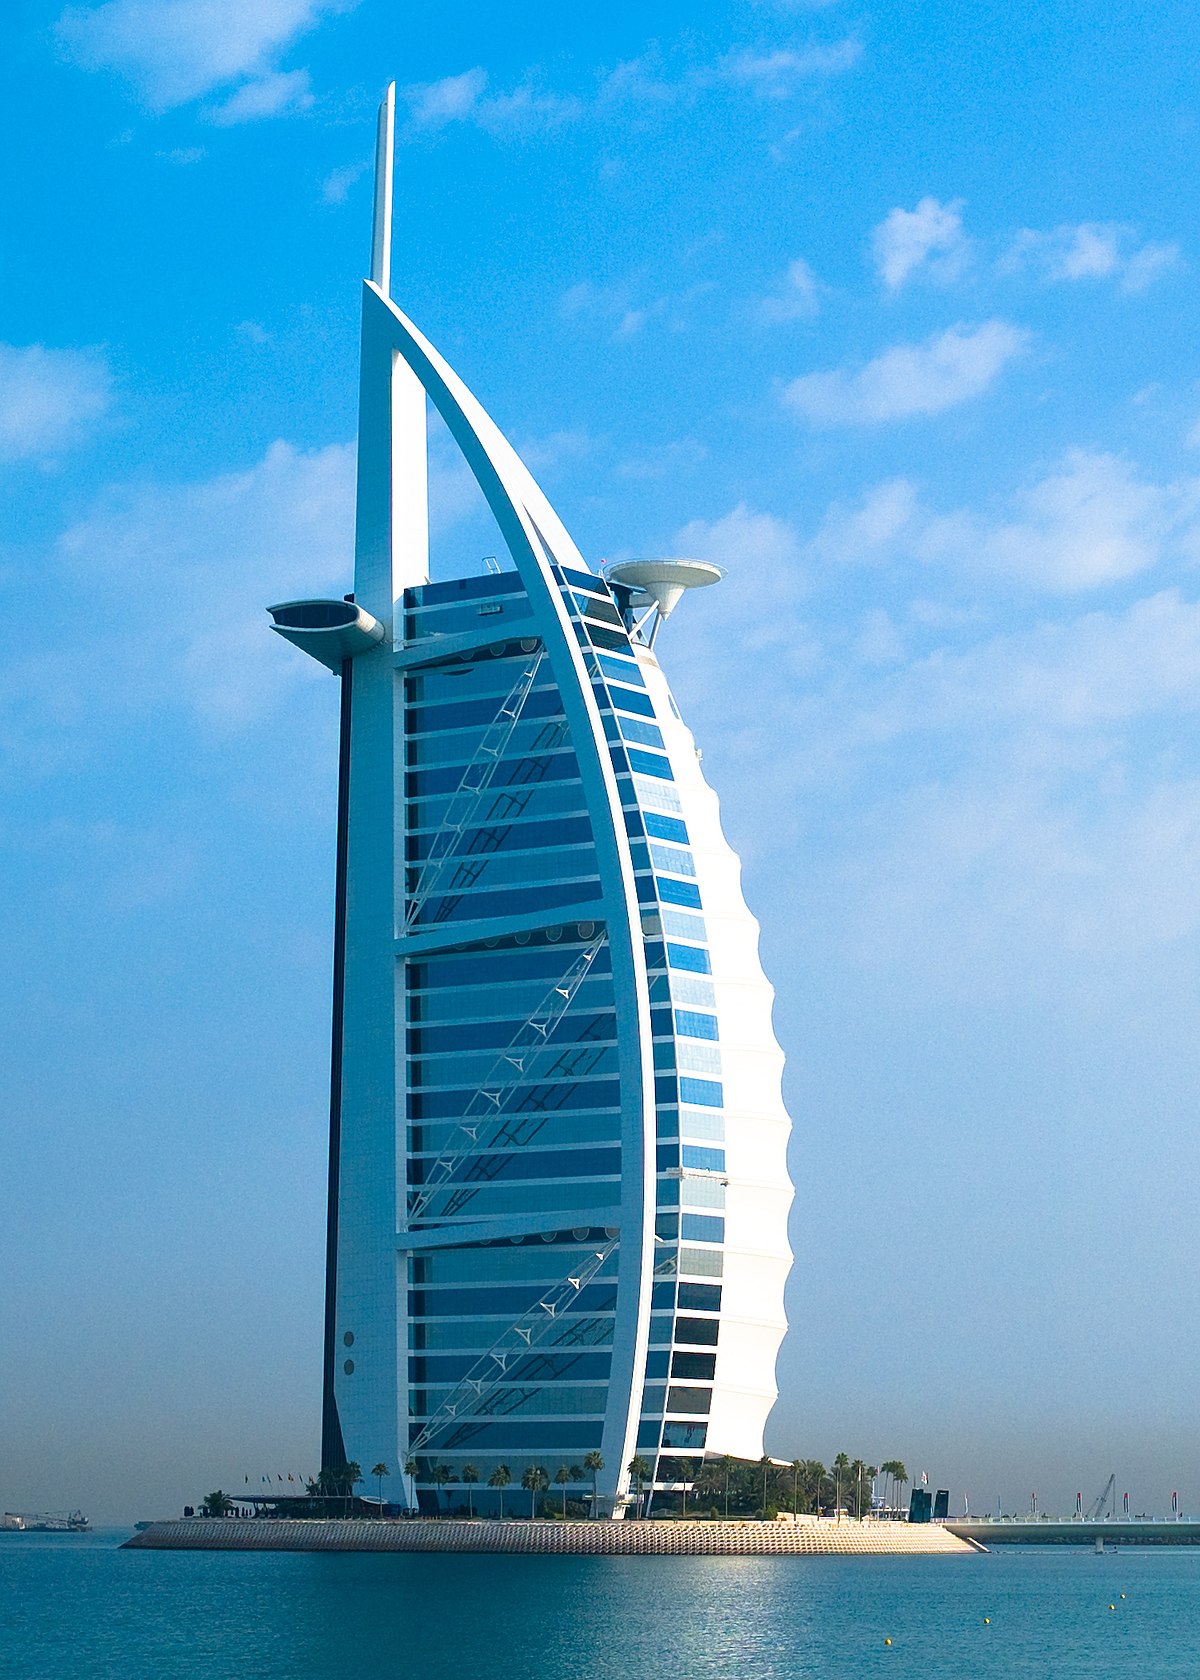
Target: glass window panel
493,906
700,1262
702,1193
702,1123
655,796
630,700
698,1058
690,1025
650,764
683,893
672,860
685,989
621,670
666,828
689,957
700,1297
697,1400
646,734
703,1331
696,1367
704,1093
707,1160
681,1437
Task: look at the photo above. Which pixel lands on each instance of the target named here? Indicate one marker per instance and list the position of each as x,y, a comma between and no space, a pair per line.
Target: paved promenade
608,1539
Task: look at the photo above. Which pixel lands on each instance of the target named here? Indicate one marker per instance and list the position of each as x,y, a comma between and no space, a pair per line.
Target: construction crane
1096,1509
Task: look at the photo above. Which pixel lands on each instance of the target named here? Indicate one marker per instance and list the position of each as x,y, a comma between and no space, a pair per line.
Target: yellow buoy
887,1642
1112,1607
987,1621
1122,1595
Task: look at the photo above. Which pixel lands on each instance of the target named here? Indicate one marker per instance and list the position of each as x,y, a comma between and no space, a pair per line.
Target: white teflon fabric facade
757,1253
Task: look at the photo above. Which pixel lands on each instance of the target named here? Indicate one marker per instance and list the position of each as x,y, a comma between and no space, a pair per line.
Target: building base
606,1539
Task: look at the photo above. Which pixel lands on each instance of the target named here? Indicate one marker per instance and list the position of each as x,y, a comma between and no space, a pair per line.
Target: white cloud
173,51
910,379
193,566
270,96
929,240
1090,251
335,188
453,99
1088,523
464,98
778,75
617,305
49,399
796,299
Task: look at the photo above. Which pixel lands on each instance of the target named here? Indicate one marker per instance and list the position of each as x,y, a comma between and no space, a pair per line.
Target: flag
924,1478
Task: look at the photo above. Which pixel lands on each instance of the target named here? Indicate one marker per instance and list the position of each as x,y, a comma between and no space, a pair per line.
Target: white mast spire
381,240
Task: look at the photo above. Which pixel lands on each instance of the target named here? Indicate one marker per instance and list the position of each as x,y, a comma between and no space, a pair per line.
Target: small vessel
44,1522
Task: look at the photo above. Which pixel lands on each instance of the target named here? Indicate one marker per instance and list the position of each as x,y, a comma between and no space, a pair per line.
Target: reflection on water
75,1607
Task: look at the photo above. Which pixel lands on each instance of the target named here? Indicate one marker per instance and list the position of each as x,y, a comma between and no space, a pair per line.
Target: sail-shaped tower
558,1188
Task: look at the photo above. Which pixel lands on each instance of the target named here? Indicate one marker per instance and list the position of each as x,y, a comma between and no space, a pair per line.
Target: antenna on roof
381,236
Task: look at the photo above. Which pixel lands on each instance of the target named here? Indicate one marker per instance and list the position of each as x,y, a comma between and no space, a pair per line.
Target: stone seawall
606,1539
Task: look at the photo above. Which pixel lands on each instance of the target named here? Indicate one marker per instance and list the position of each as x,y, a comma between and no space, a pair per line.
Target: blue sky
888,310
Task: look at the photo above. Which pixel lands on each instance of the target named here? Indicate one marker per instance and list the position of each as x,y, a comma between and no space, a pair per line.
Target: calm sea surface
76,1606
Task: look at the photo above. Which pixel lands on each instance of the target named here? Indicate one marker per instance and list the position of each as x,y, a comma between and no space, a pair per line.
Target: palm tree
442,1473
870,1473
840,1465
563,1476
857,1471
818,1473
900,1477
379,1471
470,1475
350,1475
534,1481
687,1470
410,1470
216,1504
639,1469
595,1464
797,1472
764,1465
499,1479
727,1466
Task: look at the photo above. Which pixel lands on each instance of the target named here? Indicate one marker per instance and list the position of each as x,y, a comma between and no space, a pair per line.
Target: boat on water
44,1522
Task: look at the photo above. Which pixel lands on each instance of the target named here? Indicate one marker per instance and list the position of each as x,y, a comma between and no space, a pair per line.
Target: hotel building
558,1186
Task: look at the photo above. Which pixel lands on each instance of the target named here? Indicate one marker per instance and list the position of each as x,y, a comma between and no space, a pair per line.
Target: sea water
77,1607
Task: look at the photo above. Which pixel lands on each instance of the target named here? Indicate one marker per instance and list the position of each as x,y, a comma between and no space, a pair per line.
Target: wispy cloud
335,188
780,74
465,98
797,298
49,399
910,379
927,241
217,550
270,96
1091,251
1090,522
628,315
173,51
776,74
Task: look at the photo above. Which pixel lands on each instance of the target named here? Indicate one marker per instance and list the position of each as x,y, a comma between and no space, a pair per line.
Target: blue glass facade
513,1097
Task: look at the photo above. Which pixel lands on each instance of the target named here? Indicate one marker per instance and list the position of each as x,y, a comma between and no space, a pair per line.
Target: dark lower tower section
333,1447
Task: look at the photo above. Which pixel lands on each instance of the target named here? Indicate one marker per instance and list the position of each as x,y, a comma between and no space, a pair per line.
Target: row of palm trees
732,1486
728,1486
535,1479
